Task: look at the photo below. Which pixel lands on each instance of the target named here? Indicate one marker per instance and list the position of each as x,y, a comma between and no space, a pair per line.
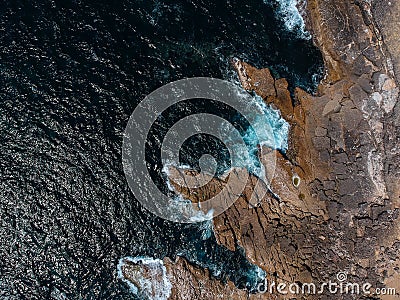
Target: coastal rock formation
147,277
190,282
343,217
351,142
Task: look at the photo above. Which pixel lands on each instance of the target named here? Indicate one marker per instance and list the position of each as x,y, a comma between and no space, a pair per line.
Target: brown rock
320,132
253,79
147,276
282,101
189,282
342,167
332,106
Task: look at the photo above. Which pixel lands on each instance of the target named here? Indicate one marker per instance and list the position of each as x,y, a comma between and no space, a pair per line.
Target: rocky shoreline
344,147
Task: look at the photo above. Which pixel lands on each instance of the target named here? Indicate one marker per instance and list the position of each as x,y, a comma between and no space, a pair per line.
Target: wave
268,129
289,11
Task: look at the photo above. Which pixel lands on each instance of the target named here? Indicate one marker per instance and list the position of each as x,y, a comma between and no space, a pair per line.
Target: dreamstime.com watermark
339,286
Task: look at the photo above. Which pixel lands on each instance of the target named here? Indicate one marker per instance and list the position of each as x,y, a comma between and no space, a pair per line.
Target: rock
377,97
253,79
341,158
361,66
274,92
147,277
189,282
277,224
283,100
329,185
352,117
365,83
322,143
319,131
358,96
332,106
388,85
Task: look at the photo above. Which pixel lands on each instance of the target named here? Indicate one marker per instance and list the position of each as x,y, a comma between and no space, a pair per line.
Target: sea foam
268,128
147,277
289,11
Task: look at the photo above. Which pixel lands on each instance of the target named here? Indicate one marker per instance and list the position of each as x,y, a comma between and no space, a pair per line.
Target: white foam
268,128
152,288
294,22
180,205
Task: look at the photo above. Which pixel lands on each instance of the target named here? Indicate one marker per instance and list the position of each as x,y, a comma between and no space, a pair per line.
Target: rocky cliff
342,213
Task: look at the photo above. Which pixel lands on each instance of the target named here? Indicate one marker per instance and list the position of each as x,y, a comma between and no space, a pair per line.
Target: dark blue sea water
71,73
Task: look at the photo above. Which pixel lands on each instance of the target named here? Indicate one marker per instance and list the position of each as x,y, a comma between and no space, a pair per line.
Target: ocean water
71,73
